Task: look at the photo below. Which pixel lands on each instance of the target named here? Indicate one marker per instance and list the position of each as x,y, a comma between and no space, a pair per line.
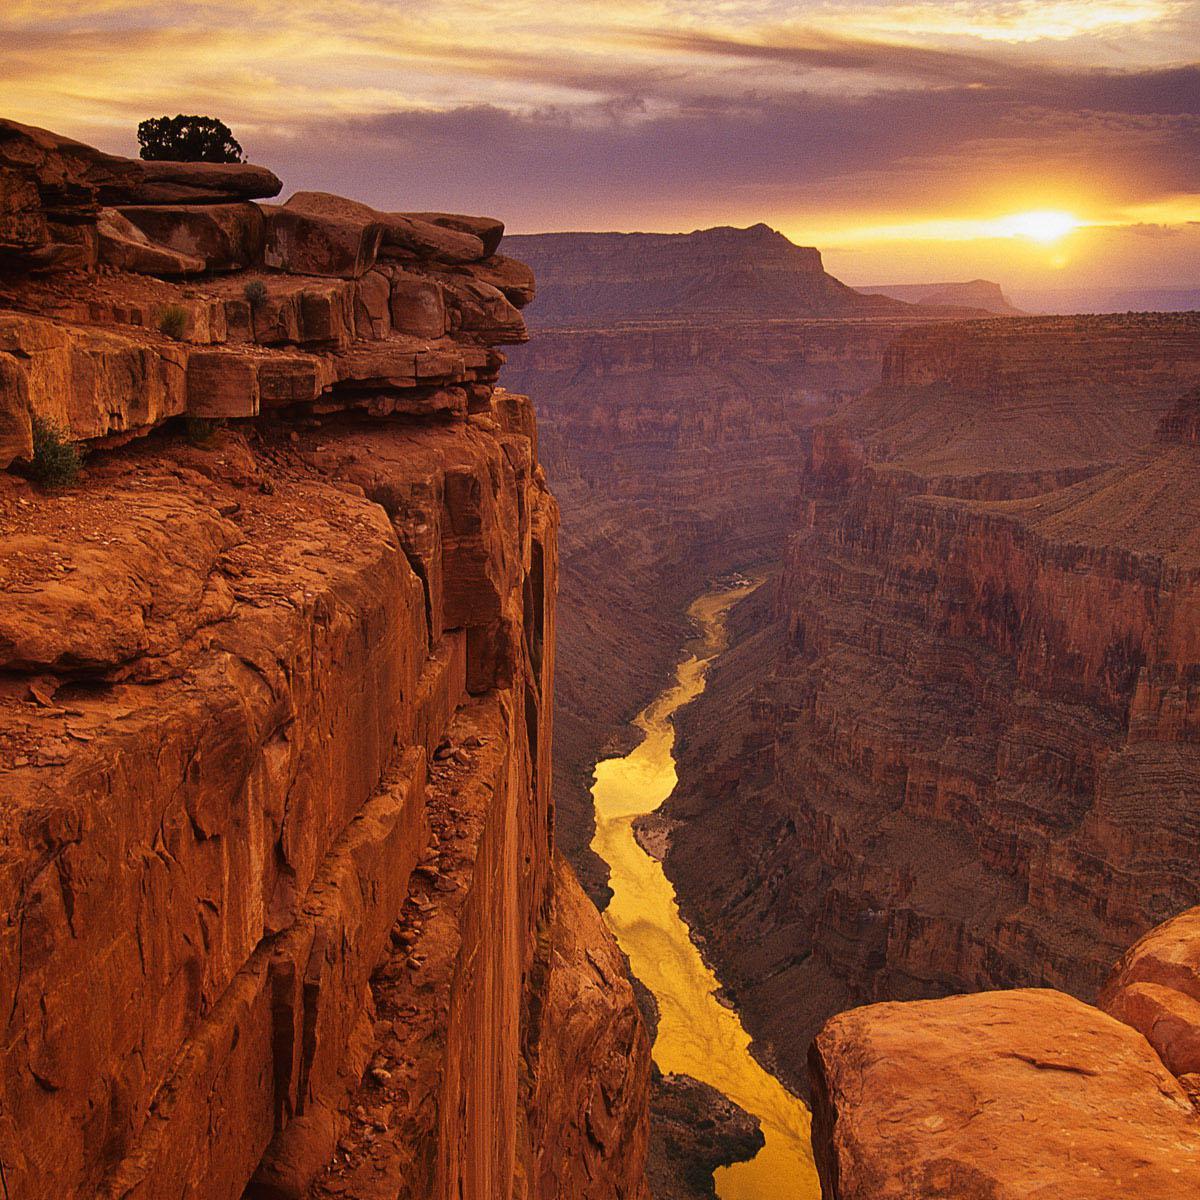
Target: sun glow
1045,225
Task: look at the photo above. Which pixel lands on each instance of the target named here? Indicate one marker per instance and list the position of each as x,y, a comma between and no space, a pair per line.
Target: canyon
282,914
672,440
313,637
951,747
979,652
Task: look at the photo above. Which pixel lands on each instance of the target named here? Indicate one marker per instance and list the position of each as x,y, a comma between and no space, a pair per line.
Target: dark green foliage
202,430
188,139
56,460
256,293
173,321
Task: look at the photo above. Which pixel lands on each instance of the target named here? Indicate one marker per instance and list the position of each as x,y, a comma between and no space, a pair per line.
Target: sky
1043,143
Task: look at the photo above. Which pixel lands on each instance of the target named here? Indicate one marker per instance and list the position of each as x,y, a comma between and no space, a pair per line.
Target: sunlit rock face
996,1096
281,911
997,1093
958,748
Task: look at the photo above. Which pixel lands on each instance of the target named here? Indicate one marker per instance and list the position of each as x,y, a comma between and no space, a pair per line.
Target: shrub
256,293
56,459
188,139
202,430
173,321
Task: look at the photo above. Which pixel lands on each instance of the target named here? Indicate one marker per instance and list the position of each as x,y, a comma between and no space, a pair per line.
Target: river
697,1035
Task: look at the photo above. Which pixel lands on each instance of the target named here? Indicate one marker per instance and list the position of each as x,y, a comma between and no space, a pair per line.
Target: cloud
660,114
746,156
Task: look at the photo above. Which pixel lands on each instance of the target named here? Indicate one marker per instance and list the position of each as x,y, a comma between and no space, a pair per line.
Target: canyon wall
281,911
676,450
954,744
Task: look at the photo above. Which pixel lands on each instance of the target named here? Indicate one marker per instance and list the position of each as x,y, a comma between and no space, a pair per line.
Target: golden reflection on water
696,1035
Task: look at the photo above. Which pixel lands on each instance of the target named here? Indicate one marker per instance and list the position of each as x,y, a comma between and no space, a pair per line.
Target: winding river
697,1035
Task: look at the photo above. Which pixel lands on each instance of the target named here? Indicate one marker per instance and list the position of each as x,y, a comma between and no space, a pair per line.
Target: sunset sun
1042,225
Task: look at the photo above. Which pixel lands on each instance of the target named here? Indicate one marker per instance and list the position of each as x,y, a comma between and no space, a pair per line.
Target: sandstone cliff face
995,1096
1019,1093
956,747
280,909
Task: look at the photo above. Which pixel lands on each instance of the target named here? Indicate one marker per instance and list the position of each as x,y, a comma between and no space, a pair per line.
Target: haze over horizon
1049,146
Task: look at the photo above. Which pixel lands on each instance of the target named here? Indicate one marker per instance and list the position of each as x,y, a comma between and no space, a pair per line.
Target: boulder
124,246
313,243
92,382
286,379
418,306
509,276
222,383
1156,989
1168,1019
403,236
226,237
372,298
484,311
487,229
997,1096
1168,955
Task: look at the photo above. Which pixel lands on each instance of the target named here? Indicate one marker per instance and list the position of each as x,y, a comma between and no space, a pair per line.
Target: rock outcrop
955,747
280,910
976,293
754,273
1018,1093
995,1096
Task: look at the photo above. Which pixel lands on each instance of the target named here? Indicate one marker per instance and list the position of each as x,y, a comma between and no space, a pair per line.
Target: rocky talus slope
955,747
280,914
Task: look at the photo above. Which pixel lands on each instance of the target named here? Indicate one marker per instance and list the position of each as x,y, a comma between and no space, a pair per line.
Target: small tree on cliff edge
188,139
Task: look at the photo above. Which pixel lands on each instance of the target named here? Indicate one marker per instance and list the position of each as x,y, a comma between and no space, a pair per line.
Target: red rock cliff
281,914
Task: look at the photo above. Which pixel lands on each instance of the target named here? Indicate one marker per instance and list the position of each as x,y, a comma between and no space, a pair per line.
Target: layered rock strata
676,450
954,748
726,273
281,914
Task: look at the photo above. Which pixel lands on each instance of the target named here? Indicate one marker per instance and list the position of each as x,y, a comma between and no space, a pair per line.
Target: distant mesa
722,272
976,293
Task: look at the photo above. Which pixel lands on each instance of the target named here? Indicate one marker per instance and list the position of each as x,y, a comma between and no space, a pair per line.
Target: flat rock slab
1026,1094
